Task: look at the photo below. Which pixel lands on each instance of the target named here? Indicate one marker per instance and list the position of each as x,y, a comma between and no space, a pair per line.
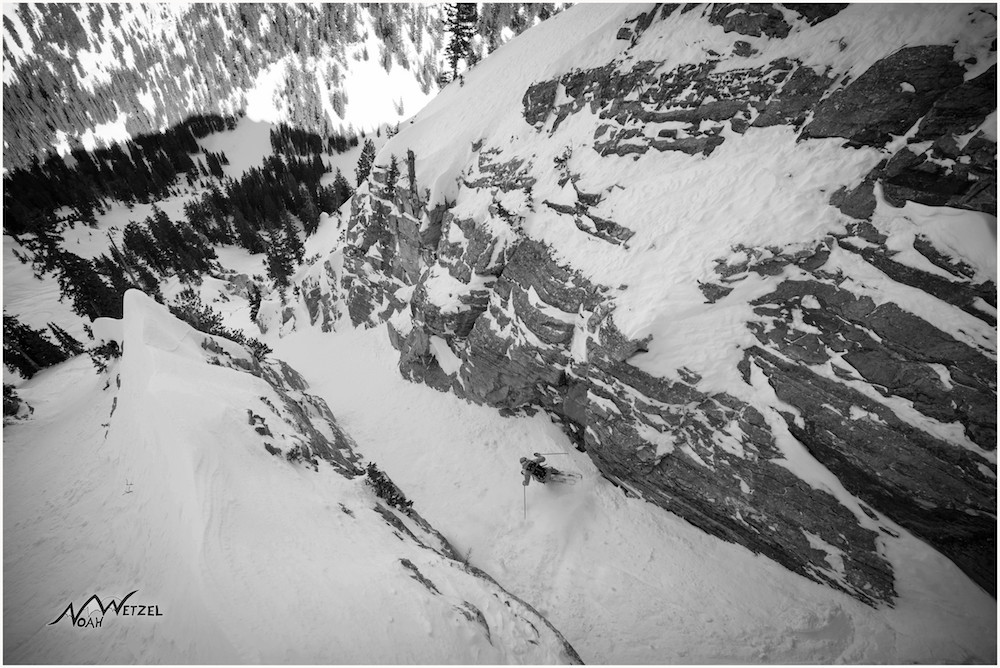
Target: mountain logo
91,613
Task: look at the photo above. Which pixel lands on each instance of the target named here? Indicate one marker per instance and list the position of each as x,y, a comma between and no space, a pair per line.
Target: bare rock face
816,12
888,98
517,350
887,362
937,491
899,408
634,27
538,100
319,294
962,109
749,19
798,97
315,432
888,347
941,165
711,459
940,491
698,96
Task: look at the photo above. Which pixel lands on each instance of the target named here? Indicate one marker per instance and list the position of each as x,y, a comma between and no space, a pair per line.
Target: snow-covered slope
152,479
753,277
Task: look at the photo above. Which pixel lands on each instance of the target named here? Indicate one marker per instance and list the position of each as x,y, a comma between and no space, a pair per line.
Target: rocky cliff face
845,385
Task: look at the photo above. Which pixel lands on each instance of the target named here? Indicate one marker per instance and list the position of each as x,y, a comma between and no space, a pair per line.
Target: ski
563,477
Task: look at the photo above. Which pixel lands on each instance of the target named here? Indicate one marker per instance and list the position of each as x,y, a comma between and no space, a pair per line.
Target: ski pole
525,490
552,453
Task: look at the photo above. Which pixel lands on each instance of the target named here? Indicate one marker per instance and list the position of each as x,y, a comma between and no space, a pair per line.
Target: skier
532,468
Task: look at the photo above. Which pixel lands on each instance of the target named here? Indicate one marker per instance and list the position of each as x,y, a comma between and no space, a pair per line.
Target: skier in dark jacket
532,468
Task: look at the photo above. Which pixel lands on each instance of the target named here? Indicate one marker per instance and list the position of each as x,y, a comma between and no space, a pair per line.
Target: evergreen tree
114,272
293,244
342,191
44,247
189,308
272,212
461,26
391,176
86,214
365,161
214,165
26,350
91,296
280,263
246,234
141,243
309,212
67,342
199,254
255,299
168,240
198,217
325,198
184,249
148,282
124,263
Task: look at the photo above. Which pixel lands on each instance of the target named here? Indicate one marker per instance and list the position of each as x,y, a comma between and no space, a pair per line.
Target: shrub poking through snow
101,355
299,454
386,489
255,299
189,308
13,405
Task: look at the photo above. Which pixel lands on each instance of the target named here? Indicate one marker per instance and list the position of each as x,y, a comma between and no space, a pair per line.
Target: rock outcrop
942,493
873,383
889,97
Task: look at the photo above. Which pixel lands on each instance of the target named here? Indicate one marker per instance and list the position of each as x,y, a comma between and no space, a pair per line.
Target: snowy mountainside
106,73
187,493
103,74
746,256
